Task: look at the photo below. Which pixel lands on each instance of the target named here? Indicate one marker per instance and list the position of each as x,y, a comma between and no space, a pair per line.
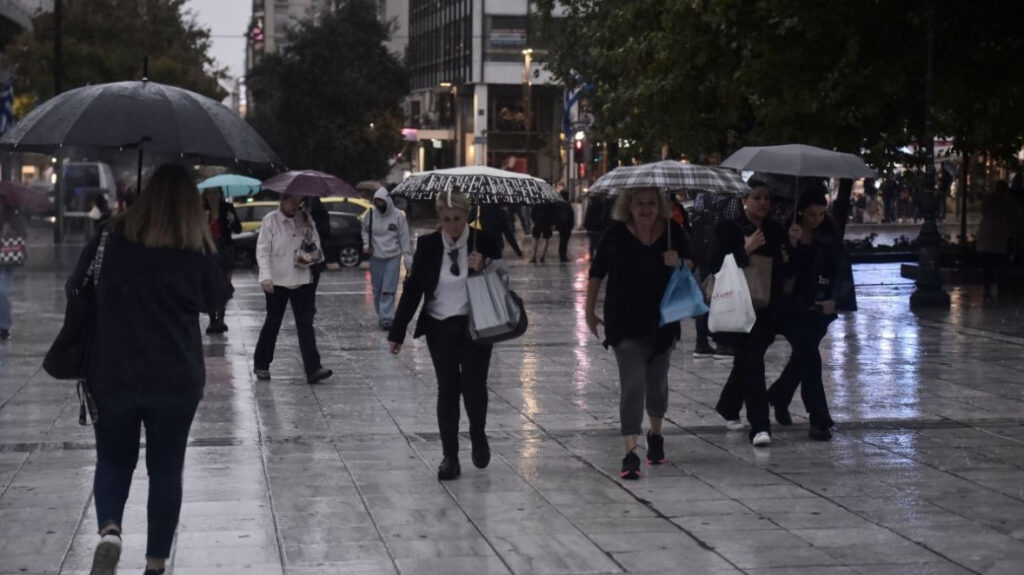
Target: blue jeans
117,428
6,281
384,277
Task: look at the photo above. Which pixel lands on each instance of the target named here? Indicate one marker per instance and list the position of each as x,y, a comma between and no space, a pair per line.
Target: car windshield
346,207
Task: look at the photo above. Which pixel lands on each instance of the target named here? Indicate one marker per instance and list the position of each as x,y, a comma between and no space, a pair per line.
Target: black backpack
704,224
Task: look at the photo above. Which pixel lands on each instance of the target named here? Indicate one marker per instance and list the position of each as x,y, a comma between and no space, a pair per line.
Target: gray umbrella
798,160
143,115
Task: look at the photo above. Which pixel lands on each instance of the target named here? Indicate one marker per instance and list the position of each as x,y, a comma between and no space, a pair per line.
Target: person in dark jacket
638,255
223,222
440,268
543,219
564,221
159,272
753,232
496,220
806,315
596,219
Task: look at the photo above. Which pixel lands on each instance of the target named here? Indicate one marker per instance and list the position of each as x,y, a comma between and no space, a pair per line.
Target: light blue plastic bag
683,297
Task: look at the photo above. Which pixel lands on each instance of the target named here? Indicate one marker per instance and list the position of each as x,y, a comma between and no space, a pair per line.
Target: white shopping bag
731,308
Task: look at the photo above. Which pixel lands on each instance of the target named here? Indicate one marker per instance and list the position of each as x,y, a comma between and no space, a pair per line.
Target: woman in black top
223,222
145,368
637,258
807,315
440,267
753,232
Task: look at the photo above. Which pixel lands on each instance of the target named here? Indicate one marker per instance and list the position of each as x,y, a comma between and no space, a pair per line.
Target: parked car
344,246
251,214
354,206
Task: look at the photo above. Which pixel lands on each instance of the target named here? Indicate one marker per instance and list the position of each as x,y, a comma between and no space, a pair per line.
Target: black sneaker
108,553
655,449
319,375
262,374
154,572
630,466
449,469
782,414
481,451
703,350
724,352
819,433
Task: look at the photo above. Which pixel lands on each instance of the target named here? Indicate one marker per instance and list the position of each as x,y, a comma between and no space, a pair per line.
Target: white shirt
279,240
450,298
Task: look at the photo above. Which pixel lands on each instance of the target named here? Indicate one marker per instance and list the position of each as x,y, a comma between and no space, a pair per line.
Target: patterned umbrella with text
481,184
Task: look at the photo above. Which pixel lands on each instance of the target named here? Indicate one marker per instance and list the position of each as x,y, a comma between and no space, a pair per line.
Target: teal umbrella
232,185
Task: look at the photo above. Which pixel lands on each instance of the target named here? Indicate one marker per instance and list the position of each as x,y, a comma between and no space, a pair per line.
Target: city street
925,474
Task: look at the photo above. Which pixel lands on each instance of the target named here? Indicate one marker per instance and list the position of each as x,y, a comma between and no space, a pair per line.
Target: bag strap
93,273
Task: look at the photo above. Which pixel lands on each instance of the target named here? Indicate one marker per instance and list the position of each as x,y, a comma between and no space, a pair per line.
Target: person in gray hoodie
386,239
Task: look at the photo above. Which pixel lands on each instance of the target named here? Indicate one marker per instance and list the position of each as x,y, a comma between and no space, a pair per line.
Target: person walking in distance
638,255
223,222
565,221
12,228
440,269
157,272
386,239
287,246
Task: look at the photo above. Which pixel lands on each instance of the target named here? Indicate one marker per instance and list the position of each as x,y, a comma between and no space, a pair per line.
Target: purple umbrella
310,183
22,196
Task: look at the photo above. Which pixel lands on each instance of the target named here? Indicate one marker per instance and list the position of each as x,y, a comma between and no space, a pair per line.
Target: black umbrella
148,116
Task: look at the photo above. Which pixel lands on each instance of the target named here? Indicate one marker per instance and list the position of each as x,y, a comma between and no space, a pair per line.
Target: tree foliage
107,41
705,77
330,100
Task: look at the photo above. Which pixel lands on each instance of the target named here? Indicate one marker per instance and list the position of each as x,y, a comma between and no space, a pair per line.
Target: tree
330,100
107,41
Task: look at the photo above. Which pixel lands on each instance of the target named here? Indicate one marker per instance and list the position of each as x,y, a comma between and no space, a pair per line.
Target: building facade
479,97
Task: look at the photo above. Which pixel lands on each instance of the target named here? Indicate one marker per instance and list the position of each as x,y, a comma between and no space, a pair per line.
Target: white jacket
280,238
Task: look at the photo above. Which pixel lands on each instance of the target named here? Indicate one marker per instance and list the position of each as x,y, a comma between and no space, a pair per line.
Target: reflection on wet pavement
924,474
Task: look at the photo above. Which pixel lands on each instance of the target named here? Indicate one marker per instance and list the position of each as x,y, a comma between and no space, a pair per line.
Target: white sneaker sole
734,425
108,553
762,440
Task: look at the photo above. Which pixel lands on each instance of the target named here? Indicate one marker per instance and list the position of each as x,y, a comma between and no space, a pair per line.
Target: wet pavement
925,473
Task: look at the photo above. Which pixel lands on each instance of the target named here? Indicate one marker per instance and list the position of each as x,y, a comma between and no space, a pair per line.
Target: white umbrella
798,160
481,184
670,175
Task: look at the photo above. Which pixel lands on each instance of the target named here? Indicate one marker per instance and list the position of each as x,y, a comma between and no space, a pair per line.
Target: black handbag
845,294
67,357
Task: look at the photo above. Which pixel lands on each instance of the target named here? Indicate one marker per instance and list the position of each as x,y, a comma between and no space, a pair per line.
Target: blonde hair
621,213
168,214
452,199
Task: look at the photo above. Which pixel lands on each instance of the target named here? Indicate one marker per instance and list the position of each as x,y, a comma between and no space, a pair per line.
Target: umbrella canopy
146,115
21,196
233,185
483,185
670,175
788,187
798,160
310,183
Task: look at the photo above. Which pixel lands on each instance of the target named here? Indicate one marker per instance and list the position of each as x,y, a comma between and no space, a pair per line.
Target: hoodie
390,230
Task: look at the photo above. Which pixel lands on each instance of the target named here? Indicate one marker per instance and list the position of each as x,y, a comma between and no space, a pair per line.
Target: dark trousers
303,300
804,330
461,367
167,424
746,383
564,235
595,240
701,321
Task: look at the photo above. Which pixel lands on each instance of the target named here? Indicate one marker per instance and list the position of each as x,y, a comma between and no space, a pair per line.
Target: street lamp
527,100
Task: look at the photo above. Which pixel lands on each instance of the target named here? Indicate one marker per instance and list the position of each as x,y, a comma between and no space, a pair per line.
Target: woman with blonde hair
157,271
638,254
440,267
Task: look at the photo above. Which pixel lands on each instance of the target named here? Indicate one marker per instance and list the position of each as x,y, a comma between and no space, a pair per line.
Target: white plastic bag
731,308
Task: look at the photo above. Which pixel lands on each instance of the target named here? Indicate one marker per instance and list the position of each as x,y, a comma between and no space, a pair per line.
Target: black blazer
421,282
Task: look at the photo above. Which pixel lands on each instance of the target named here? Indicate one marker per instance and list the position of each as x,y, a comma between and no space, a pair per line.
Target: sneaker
449,469
819,433
703,350
734,424
108,553
761,439
385,324
724,352
154,572
782,414
262,374
655,449
319,375
481,453
630,466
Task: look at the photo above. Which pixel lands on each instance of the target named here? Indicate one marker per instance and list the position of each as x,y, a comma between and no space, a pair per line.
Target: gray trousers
643,380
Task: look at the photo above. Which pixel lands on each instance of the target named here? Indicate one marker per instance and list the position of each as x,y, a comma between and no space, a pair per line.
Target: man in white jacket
386,239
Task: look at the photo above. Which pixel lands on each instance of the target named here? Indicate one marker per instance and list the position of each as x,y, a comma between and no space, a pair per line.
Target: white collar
458,243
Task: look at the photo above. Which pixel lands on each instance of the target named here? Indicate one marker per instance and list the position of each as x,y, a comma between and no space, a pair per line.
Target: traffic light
577,151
